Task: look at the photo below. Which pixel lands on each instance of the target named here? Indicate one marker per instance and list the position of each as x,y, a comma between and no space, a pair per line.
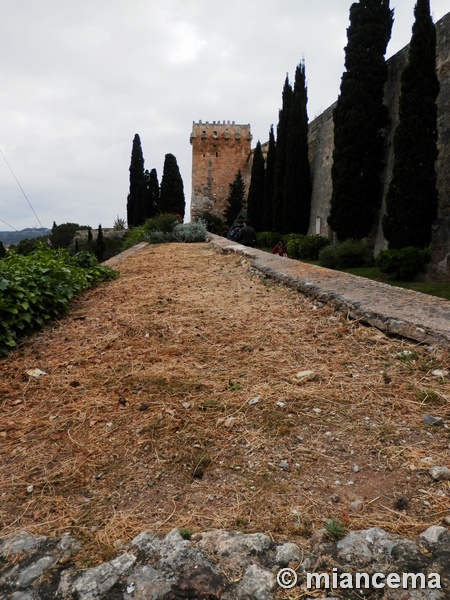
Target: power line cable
8,225
26,197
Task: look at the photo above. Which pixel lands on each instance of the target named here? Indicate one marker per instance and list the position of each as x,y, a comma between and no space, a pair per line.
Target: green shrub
38,287
163,224
329,257
309,246
195,231
305,247
268,239
292,241
214,224
155,236
347,255
403,264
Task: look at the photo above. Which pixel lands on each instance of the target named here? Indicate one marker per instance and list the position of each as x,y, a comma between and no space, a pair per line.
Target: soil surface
189,393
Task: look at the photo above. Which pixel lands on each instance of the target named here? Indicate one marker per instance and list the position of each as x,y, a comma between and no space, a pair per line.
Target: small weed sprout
336,528
407,356
185,533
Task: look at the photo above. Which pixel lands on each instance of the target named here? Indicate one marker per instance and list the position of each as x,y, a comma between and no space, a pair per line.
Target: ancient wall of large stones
219,151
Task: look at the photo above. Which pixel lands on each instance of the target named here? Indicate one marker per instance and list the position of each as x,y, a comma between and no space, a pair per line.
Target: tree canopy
172,191
412,198
359,120
136,196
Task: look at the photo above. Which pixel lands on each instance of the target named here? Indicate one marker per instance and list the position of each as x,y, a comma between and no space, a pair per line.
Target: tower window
217,155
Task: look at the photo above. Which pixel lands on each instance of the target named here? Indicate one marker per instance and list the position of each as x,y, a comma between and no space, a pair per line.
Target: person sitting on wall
280,249
247,235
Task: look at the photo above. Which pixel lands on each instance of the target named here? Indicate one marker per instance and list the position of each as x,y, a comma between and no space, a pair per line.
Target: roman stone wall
219,150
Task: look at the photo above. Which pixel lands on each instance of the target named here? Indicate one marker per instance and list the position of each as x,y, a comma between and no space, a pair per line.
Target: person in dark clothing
247,235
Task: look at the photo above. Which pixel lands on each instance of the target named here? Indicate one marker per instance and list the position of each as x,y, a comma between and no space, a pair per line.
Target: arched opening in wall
217,155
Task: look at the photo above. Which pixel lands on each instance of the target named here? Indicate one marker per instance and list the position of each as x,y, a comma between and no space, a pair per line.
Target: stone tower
219,150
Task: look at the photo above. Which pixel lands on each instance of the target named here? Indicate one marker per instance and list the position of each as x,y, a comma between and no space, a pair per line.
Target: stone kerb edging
223,565
372,302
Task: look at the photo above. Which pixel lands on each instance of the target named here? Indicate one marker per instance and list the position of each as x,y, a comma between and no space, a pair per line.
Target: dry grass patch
171,399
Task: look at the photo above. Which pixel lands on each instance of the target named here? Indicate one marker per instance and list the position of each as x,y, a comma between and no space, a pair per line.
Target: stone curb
396,311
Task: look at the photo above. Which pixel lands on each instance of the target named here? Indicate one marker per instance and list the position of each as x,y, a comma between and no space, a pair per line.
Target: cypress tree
359,119
235,199
136,178
269,184
100,244
297,184
172,192
284,118
140,203
412,198
152,194
255,199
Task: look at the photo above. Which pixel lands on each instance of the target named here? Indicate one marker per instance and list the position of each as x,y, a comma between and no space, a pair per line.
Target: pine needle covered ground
174,397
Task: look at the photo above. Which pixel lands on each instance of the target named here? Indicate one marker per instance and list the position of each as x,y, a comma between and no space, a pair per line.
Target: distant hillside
14,237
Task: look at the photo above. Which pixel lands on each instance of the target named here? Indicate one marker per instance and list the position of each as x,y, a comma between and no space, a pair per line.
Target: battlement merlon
223,130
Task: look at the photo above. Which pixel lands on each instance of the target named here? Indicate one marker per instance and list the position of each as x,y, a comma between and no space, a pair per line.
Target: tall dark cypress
139,204
136,181
235,200
171,198
284,118
255,199
359,119
152,194
297,183
269,183
412,199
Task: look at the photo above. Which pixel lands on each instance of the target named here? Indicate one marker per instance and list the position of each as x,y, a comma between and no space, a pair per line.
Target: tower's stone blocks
219,151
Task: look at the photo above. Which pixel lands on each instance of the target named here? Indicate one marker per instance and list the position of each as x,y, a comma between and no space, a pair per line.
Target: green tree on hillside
412,199
235,200
100,245
152,195
255,199
136,196
172,193
284,119
297,181
269,184
62,235
359,119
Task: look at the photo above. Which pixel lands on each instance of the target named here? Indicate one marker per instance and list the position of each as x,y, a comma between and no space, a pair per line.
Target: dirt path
172,398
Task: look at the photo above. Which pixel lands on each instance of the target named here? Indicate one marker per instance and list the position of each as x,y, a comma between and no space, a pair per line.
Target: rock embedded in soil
217,565
440,473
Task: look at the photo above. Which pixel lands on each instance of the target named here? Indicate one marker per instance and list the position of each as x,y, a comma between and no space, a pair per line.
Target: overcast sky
79,79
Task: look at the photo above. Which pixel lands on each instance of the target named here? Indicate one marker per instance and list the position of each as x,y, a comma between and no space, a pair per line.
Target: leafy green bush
403,264
214,224
38,287
306,247
167,228
309,246
347,255
145,233
268,239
